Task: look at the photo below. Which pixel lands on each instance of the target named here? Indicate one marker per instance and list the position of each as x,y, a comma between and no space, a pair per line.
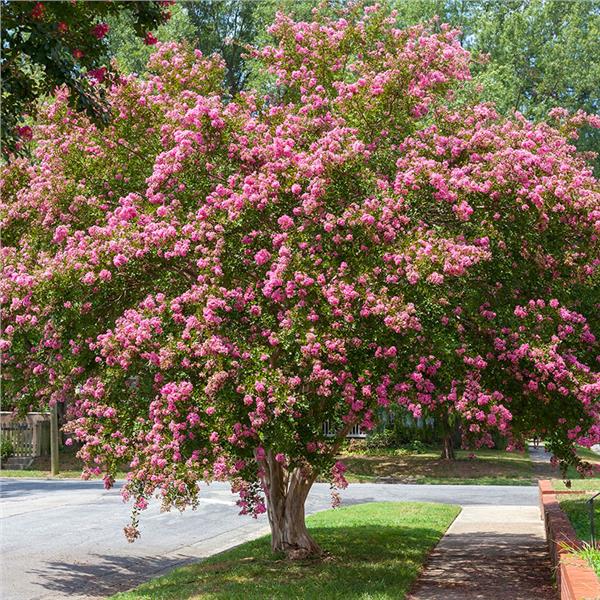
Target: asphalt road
64,539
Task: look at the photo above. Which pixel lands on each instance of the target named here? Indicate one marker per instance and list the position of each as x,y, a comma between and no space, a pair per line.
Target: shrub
381,440
7,449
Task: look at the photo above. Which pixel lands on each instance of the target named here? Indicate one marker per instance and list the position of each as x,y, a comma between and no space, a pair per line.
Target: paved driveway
63,539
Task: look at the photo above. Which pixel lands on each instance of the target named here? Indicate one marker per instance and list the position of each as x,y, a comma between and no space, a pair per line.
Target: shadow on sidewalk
540,459
487,566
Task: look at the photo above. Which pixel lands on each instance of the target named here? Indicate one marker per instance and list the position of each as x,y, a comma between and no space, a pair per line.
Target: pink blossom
119,260
261,257
25,132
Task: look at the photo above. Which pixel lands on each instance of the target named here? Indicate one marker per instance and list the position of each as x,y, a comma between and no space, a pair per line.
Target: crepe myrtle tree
205,283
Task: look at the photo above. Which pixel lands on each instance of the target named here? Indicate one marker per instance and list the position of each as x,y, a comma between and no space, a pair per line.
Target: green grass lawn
70,468
489,467
586,485
375,552
577,510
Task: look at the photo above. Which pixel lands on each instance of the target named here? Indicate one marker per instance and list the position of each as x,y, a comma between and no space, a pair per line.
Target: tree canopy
227,27
208,281
541,54
129,51
47,44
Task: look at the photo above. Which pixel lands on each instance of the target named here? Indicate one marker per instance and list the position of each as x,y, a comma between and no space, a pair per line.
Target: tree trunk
286,494
448,448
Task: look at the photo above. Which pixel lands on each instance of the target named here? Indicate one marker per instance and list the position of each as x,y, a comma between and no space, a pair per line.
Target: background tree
47,44
207,281
542,54
130,52
226,27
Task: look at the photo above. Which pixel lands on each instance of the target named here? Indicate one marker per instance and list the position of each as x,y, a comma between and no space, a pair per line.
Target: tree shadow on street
102,574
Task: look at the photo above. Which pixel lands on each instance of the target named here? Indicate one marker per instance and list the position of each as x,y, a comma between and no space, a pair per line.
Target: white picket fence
355,433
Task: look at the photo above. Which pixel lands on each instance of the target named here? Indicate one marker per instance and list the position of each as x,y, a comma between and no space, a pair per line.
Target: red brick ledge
576,579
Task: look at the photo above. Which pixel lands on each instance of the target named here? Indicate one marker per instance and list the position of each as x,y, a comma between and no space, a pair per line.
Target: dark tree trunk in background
448,447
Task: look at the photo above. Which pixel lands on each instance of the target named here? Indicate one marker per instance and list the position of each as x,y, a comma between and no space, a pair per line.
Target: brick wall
576,579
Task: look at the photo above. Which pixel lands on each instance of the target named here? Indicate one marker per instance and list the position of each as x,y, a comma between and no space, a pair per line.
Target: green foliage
226,27
592,556
7,449
383,439
550,50
130,52
578,511
389,439
403,534
541,54
416,447
49,44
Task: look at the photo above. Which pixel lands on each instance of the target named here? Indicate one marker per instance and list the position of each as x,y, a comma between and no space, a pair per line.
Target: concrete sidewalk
540,460
490,553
